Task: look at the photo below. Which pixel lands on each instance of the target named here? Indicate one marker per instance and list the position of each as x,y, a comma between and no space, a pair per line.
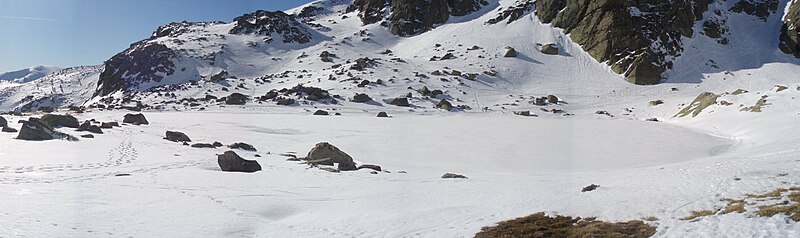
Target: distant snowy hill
29,74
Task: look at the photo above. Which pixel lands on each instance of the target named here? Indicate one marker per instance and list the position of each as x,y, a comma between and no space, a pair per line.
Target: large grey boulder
231,162
135,119
54,120
325,150
34,129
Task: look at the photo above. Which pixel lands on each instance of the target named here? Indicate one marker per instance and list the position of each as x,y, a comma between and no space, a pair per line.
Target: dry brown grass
650,218
540,225
774,194
696,214
734,205
791,210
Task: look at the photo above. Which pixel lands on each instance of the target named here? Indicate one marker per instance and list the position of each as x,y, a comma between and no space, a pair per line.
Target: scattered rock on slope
444,105
550,49
236,99
702,101
361,98
325,150
135,119
383,114
231,162
177,136
401,102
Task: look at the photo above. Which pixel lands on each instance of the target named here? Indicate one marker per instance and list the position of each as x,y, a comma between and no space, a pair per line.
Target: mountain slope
29,74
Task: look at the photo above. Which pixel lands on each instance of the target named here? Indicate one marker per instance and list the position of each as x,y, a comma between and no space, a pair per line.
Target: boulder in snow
549,49
325,150
135,119
176,136
510,52
54,120
231,162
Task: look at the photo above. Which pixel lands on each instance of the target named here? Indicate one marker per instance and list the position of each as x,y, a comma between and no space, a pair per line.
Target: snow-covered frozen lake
516,166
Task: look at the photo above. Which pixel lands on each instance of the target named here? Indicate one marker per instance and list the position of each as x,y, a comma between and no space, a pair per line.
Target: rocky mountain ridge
342,45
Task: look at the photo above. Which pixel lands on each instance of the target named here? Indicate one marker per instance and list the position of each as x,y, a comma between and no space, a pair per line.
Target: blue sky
86,32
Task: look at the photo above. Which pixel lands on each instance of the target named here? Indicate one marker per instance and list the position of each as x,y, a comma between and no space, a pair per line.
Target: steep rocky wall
635,37
790,36
411,17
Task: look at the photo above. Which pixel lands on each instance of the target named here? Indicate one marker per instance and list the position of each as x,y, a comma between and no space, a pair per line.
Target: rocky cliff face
635,38
790,36
411,17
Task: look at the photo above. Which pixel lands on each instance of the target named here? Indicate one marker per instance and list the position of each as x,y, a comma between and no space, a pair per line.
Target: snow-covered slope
258,79
72,86
29,74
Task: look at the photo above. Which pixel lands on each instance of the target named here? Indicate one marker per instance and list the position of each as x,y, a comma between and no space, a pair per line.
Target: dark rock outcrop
143,62
411,17
522,7
611,32
231,162
790,35
3,122
267,23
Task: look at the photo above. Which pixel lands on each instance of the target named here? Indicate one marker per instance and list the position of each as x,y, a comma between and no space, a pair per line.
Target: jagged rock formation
411,17
790,36
267,23
634,37
143,62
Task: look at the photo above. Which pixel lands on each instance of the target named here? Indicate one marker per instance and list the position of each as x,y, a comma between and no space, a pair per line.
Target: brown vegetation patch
541,225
